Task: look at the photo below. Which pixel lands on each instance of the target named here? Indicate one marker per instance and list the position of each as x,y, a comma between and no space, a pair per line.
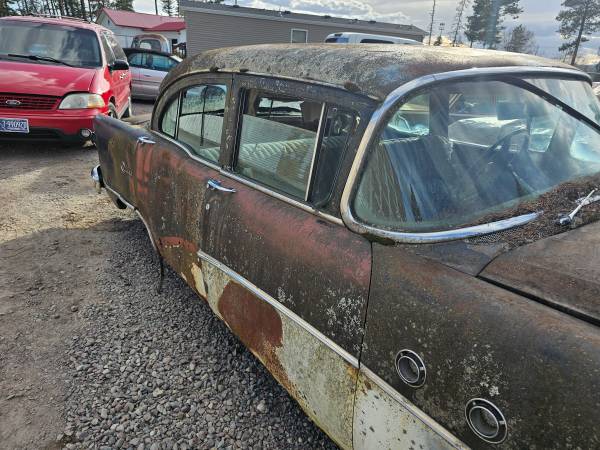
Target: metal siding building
211,25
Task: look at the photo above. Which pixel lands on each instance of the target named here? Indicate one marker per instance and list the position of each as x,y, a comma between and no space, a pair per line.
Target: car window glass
277,141
116,48
168,122
161,63
201,120
338,128
135,60
110,58
485,147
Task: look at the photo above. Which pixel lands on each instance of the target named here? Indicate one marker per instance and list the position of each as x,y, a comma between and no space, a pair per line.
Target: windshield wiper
40,58
568,219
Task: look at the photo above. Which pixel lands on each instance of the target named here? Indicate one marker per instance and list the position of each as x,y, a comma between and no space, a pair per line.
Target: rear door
284,274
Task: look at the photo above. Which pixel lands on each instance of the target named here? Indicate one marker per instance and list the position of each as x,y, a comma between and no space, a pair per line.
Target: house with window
127,24
214,25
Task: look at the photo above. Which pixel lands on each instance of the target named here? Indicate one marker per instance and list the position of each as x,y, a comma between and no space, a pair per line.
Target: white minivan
364,38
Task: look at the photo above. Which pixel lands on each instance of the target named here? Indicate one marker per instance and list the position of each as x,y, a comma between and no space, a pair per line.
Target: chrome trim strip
279,307
253,185
392,100
119,196
318,144
413,409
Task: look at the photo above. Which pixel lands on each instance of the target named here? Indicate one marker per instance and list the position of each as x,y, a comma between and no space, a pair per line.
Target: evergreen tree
578,18
7,8
168,7
521,40
458,25
484,25
123,5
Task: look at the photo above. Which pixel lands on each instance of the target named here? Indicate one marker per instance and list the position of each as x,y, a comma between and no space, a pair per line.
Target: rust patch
258,325
176,241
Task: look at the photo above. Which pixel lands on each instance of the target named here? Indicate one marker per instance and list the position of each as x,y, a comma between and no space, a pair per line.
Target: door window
168,123
201,120
110,58
277,141
136,60
161,63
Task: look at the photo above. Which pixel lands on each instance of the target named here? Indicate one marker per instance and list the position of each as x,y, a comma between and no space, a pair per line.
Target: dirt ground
52,228
77,275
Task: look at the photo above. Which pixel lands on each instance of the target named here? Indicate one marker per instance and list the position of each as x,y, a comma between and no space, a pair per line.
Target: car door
188,129
135,67
121,78
154,70
289,279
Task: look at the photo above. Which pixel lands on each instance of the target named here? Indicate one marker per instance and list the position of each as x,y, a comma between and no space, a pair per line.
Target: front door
291,283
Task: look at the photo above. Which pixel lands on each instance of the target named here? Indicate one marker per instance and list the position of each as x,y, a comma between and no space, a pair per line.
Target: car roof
129,50
76,23
372,69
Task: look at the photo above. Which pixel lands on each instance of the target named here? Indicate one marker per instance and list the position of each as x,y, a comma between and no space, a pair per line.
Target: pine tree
521,40
123,5
168,7
578,18
485,23
7,8
458,25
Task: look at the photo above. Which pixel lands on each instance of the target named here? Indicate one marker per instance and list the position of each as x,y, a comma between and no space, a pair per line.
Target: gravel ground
91,356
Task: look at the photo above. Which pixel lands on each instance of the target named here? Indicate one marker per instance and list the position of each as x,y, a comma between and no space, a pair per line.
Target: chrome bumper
96,175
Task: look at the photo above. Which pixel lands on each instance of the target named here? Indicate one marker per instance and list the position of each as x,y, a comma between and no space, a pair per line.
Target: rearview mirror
120,64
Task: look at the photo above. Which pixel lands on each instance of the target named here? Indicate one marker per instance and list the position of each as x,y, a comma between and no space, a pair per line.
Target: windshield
456,153
74,46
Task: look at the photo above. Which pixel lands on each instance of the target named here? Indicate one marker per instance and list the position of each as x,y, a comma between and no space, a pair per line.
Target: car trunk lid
562,271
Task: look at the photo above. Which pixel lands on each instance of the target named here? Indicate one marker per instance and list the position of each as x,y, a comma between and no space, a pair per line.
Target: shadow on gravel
138,369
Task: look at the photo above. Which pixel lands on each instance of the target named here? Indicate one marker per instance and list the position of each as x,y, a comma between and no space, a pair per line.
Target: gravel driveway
91,356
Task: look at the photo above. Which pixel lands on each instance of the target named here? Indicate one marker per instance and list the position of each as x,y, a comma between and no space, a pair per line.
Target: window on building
299,36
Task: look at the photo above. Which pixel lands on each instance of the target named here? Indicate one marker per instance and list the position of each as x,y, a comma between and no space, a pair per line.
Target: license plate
14,125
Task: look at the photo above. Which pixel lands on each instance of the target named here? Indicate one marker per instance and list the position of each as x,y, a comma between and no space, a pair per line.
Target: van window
375,41
337,40
277,141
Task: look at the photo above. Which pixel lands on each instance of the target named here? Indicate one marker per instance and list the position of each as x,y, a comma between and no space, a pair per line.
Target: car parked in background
407,237
156,42
365,38
56,75
148,68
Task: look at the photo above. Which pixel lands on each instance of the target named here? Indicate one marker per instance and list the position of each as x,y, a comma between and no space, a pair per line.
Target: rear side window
168,123
201,119
277,141
135,60
110,57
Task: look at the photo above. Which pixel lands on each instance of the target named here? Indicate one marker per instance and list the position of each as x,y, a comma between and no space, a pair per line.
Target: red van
56,75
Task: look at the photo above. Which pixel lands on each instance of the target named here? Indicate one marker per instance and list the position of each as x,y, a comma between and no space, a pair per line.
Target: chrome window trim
377,119
317,146
252,184
353,361
413,409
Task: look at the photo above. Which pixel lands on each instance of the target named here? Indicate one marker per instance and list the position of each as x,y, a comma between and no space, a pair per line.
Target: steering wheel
496,161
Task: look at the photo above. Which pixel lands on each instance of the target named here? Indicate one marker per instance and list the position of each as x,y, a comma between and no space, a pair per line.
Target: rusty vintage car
407,238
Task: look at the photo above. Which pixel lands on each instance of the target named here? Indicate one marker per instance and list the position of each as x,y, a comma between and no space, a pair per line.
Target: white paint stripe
279,307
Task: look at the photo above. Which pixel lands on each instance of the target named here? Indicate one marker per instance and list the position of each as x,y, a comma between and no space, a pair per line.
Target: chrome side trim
413,409
279,307
377,120
119,196
253,185
318,143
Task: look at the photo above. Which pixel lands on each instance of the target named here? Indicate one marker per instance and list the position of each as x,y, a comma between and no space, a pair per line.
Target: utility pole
156,6
432,20
460,11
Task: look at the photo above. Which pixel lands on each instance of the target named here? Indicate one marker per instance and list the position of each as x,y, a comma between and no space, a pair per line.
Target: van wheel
129,111
112,111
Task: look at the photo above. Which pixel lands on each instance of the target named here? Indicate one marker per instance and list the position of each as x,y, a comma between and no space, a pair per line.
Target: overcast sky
539,15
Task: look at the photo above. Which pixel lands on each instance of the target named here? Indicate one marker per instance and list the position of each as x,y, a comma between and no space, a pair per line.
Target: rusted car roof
374,70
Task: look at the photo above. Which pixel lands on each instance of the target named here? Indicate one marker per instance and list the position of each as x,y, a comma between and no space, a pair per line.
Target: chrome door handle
123,75
215,185
145,140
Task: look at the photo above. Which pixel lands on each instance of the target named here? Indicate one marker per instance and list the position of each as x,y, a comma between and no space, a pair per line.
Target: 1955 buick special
407,238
